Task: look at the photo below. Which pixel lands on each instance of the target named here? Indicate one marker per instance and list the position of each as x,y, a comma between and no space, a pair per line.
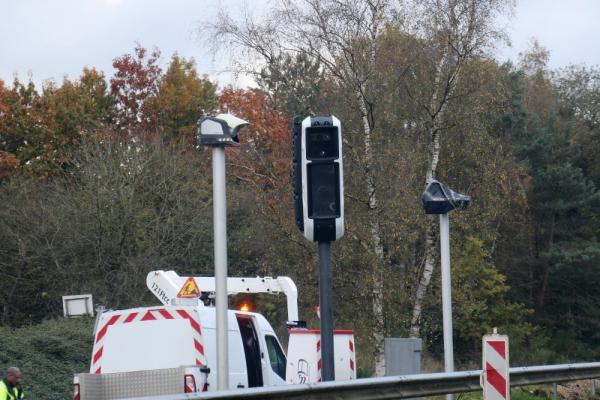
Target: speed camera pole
218,132
438,199
446,293
319,203
326,309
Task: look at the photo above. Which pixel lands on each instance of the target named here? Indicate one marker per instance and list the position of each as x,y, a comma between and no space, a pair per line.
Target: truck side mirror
205,370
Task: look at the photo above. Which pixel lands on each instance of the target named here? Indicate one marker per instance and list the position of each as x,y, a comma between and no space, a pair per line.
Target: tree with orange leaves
182,98
8,161
38,130
264,156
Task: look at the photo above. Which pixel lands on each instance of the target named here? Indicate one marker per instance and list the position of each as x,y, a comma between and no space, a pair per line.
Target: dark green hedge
48,354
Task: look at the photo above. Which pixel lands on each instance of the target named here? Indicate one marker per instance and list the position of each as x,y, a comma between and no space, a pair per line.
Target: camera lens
321,143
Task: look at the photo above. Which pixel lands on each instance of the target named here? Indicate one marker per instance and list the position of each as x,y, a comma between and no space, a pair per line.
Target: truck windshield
276,356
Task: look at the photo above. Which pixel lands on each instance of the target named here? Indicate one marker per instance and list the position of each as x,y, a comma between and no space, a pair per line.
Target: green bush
48,354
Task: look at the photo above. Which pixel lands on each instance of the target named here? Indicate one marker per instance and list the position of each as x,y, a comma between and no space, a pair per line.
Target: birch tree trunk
430,243
463,28
430,256
430,234
375,228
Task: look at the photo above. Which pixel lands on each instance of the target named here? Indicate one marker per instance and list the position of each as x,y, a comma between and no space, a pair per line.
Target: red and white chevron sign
495,378
147,315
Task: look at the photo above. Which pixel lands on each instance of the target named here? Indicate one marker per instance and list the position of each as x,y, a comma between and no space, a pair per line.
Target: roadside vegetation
101,182
49,354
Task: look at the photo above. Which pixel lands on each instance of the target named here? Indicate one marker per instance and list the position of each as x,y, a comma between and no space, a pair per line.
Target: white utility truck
171,349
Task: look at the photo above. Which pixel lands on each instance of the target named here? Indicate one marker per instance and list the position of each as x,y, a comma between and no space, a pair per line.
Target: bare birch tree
454,31
342,36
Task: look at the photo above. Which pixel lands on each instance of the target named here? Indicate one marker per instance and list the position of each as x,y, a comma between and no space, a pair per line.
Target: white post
446,295
220,249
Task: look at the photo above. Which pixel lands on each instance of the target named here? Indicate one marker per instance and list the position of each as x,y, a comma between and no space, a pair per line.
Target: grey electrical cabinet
402,356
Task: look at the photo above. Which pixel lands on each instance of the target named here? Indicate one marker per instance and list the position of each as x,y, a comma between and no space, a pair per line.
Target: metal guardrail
397,387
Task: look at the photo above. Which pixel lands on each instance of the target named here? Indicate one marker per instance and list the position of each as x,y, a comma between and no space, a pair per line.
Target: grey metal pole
446,295
220,249
326,306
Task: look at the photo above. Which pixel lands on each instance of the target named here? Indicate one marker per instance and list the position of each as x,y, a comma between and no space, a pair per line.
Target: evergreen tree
544,130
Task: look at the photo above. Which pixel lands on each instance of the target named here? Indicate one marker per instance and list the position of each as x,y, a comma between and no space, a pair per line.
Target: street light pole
446,295
217,132
220,253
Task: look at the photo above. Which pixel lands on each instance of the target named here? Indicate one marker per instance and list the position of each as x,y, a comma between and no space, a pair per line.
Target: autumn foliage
265,152
268,127
102,181
135,81
8,163
41,130
182,98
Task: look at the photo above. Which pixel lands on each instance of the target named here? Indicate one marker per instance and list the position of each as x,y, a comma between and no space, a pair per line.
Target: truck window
276,356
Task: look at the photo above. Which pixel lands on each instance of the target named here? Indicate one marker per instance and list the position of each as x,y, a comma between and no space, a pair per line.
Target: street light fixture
439,199
217,132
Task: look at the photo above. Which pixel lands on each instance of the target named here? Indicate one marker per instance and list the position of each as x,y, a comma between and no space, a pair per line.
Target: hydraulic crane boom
166,286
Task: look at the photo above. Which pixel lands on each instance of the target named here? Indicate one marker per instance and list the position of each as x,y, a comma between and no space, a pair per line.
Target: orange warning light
246,306
189,290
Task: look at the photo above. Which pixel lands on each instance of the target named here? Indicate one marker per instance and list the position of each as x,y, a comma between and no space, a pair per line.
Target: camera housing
439,199
318,178
220,130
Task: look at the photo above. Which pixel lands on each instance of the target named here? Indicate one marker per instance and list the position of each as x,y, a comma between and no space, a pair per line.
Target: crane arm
166,285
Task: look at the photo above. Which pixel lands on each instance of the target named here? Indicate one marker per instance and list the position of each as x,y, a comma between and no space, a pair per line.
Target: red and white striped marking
352,357
149,316
496,378
319,362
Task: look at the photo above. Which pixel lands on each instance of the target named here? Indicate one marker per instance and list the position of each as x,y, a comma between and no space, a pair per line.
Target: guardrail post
554,391
593,386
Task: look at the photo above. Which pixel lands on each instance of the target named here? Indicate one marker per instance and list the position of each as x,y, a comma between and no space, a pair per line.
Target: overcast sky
53,38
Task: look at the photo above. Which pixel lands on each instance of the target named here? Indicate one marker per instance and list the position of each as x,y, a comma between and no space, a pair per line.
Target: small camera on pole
440,199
